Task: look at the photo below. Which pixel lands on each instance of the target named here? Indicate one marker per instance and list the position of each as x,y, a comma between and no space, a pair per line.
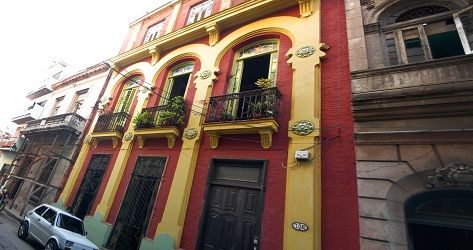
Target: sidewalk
13,214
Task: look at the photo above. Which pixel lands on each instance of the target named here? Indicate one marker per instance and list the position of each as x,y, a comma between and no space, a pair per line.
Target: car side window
40,210
50,215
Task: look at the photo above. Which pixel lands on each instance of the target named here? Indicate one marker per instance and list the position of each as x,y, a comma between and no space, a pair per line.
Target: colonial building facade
412,106
222,127
50,132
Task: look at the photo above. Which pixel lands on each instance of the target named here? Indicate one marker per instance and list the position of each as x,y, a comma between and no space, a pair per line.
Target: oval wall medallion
128,136
303,127
305,51
205,74
190,133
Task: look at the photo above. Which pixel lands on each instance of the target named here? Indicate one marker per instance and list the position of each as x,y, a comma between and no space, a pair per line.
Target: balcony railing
248,105
159,117
114,122
70,121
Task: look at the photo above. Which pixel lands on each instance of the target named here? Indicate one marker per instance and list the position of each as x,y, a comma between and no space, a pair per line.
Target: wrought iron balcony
71,121
160,122
248,105
161,116
250,112
114,122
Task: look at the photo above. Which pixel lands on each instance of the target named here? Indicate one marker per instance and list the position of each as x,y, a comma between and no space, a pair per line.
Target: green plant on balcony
264,83
143,120
174,114
263,106
227,116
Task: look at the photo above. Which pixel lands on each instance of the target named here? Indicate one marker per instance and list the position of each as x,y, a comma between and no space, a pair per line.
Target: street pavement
8,237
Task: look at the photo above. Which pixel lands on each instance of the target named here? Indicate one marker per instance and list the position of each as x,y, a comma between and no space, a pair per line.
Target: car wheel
51,245
23,230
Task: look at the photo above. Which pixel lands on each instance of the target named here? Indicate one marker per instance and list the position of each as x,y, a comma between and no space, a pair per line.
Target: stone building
50,131
190,153
412,80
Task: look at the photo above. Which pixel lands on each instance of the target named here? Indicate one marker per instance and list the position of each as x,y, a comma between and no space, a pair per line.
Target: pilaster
302,218
169,231
78,165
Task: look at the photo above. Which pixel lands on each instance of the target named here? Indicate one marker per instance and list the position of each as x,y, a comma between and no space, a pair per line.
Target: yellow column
120,164
78,165
302,227
176,206
174,15
302,209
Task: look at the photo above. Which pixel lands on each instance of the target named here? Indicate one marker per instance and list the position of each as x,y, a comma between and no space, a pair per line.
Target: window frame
195,15
150,36
167,89
396,30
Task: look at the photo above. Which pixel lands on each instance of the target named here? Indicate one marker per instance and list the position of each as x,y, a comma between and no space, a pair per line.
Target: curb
12,214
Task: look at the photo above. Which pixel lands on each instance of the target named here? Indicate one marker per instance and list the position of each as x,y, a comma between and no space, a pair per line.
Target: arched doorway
440,220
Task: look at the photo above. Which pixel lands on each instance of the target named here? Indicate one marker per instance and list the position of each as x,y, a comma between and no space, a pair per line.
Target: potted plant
263,106
226,116
174,114
143,120
264,83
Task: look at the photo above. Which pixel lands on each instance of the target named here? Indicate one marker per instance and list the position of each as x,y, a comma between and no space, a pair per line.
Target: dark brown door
234,202
90,185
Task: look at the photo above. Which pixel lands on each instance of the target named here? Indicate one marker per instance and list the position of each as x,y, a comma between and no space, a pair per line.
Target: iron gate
90,184
134,214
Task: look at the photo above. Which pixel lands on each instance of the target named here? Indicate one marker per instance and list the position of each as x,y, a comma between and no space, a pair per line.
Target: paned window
200,11
177,81
153,32
57,105
127,95
415,36
78,100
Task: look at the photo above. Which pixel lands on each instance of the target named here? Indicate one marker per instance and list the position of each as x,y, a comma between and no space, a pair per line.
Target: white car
55,229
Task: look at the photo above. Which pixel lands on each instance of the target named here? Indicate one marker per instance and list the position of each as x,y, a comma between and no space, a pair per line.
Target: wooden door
233,210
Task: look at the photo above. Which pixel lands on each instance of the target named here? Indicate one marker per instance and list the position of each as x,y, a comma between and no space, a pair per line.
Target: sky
36,33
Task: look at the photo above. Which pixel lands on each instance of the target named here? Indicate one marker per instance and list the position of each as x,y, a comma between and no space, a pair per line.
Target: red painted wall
339,188
248,147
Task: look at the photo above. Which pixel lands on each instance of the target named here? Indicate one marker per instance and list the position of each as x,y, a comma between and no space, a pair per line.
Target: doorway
85,196
440,220
233,205
135,211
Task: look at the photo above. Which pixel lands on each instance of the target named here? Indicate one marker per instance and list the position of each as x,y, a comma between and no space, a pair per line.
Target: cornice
227,18
84,74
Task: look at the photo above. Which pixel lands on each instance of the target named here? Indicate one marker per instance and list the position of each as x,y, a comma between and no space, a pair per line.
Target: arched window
440,220
127,95
177,82
252,62
419,12
421,33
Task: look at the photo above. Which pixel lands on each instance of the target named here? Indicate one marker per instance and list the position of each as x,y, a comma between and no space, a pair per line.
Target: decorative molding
306,8
190,133
305,51
368,3
303,127
214,33
454,175
265,129
155,55
128,136
88,139
205,74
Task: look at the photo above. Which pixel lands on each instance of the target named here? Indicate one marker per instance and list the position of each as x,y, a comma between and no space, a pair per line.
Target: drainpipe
76,151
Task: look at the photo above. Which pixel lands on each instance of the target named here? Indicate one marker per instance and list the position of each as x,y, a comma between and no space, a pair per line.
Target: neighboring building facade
411,70
50,129
190,153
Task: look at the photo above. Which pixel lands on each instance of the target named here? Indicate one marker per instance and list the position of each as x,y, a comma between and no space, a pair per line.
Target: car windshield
70,223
